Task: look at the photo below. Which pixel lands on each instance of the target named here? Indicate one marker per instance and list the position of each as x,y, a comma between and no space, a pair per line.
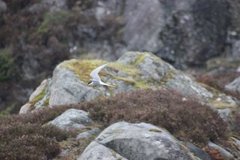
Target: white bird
96,80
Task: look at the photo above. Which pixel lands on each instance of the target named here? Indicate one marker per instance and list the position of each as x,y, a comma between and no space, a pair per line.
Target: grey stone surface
88,133
96,151
72,119
140,142
67,88
234,86
198,152
134,70
226,155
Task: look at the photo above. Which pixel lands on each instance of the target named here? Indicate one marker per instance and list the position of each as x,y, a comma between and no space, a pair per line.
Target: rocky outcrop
72,119
136,142
183,32
134,70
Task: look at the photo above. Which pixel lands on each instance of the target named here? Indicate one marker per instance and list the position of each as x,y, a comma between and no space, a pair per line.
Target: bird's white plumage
94,73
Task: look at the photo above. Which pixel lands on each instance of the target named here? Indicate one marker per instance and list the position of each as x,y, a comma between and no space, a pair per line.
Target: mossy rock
132,71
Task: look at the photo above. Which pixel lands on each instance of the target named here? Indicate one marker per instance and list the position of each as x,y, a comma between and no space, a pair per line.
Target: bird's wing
94,73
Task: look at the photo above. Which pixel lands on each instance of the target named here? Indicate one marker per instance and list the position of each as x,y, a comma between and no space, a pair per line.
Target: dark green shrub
6,65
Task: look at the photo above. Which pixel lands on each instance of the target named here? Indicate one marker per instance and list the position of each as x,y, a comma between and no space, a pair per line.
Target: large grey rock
134,70
96,151
72,119
153,69
234,86
181,31
67,88
138,142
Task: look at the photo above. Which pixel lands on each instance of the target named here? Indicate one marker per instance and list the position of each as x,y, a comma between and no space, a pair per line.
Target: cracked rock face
136,142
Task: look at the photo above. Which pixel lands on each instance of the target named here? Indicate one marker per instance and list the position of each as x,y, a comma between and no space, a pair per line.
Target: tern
96,80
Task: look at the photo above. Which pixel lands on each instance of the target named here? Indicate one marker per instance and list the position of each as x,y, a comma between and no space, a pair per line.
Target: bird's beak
89,83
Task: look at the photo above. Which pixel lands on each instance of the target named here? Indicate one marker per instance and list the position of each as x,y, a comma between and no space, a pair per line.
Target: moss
221,104
51,19
140,58
82,68
130,70
6,64
46,102
39,96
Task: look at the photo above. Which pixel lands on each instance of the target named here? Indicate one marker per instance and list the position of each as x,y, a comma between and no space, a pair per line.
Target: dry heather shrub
188,120
23,137
218,81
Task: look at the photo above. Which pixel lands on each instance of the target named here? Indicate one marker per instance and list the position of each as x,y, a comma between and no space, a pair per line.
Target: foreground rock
134,70
136,142
72,119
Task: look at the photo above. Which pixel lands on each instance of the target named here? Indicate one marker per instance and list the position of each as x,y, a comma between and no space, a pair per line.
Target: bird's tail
108,85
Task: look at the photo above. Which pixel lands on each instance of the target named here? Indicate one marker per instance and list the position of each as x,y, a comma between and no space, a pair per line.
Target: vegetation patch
24,137
187,120
83,68
219,80
52,19
6,65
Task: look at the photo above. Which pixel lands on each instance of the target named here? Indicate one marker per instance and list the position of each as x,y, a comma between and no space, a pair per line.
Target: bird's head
90,83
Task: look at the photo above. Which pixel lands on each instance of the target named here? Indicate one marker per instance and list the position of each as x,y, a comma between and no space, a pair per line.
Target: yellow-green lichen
140,58
218,104
39,97
82,68
141,84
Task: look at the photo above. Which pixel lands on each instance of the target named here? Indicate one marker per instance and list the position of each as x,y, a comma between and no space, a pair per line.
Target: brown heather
25,137
218,81
187,120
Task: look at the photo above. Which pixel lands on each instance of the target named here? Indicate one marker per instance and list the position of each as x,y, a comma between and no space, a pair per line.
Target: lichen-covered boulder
136,142
67,88
134,70
72,119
